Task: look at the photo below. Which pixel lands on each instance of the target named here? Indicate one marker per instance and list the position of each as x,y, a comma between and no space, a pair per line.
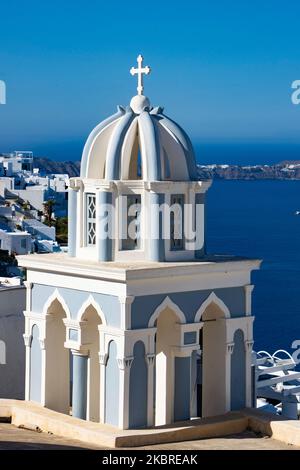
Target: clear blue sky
222,69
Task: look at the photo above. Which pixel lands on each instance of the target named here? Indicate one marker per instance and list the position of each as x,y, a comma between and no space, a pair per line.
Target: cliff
285,170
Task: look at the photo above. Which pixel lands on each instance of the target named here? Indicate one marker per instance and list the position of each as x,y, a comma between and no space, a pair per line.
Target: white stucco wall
12,349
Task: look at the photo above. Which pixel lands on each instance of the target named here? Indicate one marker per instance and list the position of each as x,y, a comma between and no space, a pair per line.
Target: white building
16,242
158,330
12,350
17,162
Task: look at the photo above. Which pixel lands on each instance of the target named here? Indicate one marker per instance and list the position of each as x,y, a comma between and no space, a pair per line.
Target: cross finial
140,71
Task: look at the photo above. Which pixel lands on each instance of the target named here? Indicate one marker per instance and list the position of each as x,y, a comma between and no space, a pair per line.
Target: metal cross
139,71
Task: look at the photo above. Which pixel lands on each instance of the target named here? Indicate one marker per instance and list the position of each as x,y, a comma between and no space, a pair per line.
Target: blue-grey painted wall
188,302
238,372
182,397
138,388
74,299
190,337
35,366
112,386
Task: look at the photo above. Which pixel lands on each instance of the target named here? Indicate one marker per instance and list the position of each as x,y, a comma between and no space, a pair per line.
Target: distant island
285,170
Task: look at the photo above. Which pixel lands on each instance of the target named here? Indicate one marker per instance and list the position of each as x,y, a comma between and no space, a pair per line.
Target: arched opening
167,337
238,372
135,170
212,367
131,165
57,361
90,339
138,387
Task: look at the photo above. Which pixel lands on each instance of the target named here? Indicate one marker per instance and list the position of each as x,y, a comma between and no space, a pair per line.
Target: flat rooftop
61,262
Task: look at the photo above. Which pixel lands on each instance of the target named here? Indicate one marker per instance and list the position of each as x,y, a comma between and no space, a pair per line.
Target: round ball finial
138,103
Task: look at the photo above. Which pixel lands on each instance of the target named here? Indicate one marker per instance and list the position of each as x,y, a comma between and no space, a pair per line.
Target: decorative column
72,219
150,395
104,224
27,342
80,371
44,384
124,364
125,304
229,351
200,225
248,298
156,242
248,334
102,363
27,337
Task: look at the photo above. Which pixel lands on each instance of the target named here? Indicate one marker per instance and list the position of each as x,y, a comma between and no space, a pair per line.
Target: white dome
139,142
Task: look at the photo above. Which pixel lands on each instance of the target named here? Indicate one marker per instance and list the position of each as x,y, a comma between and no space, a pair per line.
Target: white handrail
260,353
282,351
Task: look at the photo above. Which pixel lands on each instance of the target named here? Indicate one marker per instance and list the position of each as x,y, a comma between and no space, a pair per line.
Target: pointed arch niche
132,167
165,318
57,357
91,317
212,389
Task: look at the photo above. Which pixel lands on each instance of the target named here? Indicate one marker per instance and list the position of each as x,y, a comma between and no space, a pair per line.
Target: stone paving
13,438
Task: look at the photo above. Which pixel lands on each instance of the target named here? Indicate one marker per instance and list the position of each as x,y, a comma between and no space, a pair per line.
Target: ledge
29,413
121,271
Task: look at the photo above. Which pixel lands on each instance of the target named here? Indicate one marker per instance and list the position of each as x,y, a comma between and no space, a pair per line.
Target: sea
256,219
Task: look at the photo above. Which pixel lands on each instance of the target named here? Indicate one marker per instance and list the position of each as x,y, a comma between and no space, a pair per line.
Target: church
137,326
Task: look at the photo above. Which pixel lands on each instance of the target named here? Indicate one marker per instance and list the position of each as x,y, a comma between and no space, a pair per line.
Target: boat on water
297,213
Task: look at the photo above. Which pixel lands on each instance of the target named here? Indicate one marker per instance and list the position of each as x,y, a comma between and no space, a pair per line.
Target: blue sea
256,219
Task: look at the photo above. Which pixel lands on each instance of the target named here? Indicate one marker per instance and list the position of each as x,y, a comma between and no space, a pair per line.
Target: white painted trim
248,298
34,315
62,264
166,303
212,299
77,283
90,301
125,311
56,296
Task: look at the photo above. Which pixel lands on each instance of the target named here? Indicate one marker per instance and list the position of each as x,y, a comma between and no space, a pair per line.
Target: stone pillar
104,232
72,221
79,397
156,242
102,364
125,304
27,337
27,342
248,368
150,404
229,351
124,367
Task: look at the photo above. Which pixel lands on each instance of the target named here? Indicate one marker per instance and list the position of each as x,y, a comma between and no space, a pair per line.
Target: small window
91,219
132,221
176,222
